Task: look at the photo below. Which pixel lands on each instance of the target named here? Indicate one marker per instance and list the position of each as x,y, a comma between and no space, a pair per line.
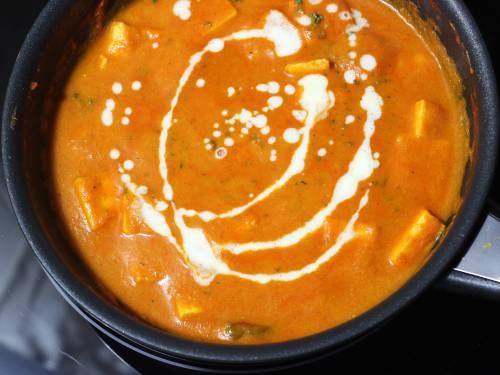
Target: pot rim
160,341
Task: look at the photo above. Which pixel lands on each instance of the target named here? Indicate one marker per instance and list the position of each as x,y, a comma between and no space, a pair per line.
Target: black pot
46,58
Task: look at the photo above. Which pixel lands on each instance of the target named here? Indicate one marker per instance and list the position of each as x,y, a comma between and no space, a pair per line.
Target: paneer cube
132,222
216,13
412,163
98,199
119,37
186,309
425,114
309,67
418,239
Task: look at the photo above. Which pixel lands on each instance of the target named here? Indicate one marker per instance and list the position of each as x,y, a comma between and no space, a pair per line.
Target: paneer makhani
256,171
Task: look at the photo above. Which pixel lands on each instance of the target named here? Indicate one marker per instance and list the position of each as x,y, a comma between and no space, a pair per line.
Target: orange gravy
256,171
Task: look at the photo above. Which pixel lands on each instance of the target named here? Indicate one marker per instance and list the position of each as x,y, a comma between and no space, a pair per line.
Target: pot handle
478,273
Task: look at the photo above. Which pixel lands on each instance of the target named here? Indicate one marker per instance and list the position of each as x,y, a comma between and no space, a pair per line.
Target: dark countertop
440,333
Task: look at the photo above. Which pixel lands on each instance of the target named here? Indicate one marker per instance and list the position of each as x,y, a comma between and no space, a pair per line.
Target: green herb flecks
316,18
300,5
86,102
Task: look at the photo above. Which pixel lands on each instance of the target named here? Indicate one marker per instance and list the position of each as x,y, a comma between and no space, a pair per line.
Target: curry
254,171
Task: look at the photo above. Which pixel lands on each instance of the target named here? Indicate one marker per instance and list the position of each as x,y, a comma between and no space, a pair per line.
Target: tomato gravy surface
256,171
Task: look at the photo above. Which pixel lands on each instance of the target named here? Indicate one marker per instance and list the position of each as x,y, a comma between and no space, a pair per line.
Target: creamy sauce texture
256,171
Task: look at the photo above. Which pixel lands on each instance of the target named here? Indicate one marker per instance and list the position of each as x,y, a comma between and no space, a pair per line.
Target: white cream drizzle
349,119
248,119
275,102
114,154
200,83
277,29
361,167
107,113
332,8
182,9
304,20
136,85
289,89
128,165
359,24
291,135
350,76
161,206
200,253
117,88
368,62
316,100
208,265
205,261
125,120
